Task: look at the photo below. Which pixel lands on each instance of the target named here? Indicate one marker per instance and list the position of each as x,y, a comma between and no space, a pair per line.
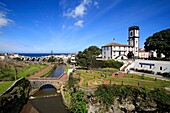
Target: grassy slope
23,72
5,85
31,69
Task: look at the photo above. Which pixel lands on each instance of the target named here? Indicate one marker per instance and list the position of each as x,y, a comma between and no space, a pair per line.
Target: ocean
40,54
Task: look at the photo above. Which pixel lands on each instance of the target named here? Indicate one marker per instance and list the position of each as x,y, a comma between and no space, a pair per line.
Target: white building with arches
122,51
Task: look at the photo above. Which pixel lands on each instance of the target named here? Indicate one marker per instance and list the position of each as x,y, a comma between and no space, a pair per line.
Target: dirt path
37,75
81,81
63,77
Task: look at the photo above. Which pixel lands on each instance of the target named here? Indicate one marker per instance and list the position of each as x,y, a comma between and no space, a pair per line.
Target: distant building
73,58
13,56
143,54
2,56
122,51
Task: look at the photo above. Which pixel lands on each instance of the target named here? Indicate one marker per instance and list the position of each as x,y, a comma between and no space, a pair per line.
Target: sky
66,26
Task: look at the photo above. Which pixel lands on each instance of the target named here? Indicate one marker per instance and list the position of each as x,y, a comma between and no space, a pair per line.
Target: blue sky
73,25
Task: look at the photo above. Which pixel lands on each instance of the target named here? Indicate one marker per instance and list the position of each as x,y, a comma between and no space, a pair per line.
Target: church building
122,51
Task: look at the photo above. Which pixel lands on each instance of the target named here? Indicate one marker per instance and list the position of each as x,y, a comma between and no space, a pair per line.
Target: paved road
150,75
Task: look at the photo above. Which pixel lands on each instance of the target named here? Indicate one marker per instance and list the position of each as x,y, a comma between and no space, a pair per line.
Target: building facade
121,51
143,54
151,65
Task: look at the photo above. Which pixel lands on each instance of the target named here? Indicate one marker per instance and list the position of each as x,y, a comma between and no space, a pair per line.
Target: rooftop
116,44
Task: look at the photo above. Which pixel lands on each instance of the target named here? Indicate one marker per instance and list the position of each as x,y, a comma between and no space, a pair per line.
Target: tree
159,42
78,104
16,66
69,60
52,59
88,56
71,81
61,61
10,68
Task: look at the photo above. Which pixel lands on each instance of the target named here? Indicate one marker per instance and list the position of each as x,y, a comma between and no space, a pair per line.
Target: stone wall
15,97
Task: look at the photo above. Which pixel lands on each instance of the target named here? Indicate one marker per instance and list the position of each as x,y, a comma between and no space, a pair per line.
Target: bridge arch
46,86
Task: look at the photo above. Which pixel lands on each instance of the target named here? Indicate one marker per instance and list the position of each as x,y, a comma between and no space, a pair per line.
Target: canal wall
13,99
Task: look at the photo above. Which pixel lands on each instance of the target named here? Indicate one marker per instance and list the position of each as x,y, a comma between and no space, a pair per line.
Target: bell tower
134,39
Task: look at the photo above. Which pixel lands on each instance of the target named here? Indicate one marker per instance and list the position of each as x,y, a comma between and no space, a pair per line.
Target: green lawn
23,71
111,69
5,85
128,79
31,69
67,68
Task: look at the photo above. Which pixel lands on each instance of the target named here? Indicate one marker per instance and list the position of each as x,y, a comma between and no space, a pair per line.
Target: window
141,65
160,68
131,33
150,66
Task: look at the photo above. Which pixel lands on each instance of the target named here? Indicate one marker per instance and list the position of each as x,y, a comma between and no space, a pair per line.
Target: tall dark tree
159,42
88,56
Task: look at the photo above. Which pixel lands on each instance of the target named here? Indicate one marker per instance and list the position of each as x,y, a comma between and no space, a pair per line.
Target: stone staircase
125,65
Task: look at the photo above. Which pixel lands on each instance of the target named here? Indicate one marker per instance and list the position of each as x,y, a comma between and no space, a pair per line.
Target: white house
115,51
73,58
2,56
122,51
151,65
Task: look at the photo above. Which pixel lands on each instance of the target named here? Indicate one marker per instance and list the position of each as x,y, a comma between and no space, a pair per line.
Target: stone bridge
37,83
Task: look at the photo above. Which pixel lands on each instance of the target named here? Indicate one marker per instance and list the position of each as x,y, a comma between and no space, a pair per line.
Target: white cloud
63,26
78,11
4,21
86,2
96,4
79,23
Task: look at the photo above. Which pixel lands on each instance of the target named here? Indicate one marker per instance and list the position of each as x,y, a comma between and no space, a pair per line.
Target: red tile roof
116,44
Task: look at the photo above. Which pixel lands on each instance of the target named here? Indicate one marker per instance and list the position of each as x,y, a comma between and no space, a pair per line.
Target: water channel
47,100
59,71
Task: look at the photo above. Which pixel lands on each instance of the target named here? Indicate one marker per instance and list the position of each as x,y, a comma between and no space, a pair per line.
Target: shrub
107,93
145,71
107,64
78,103
166,74
142,76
